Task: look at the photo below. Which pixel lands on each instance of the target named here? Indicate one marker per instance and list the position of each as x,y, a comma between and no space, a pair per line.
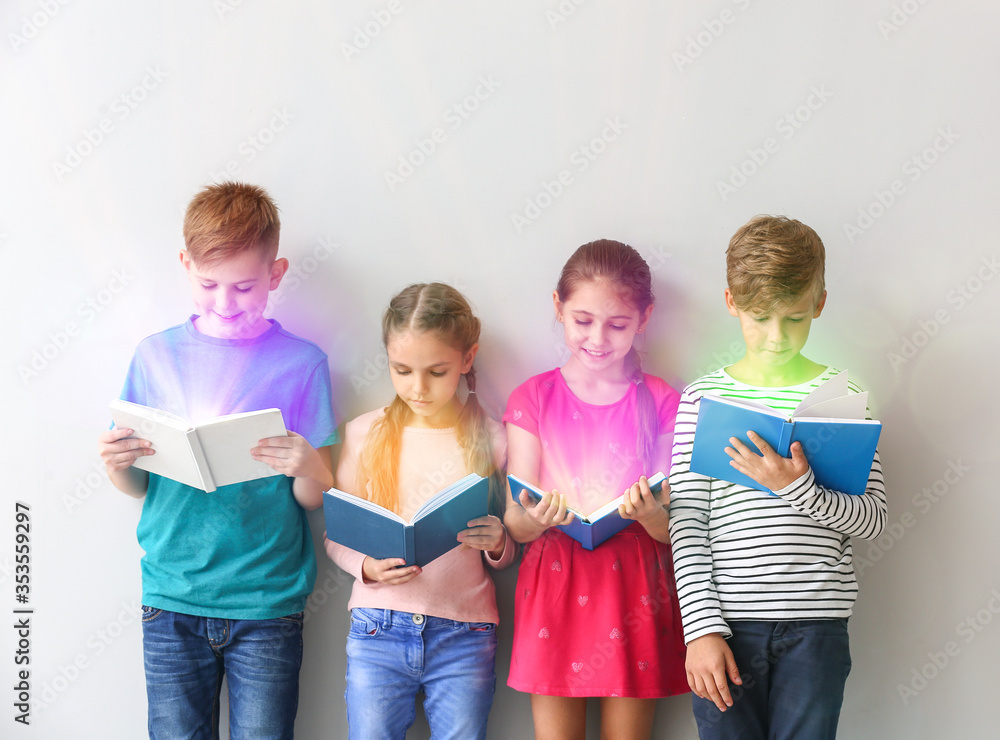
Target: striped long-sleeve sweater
745,554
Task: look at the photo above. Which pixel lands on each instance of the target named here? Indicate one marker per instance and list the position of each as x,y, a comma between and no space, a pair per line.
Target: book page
227,441
834,387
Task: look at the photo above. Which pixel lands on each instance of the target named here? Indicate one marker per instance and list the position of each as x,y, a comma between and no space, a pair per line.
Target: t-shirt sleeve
522,407
314,418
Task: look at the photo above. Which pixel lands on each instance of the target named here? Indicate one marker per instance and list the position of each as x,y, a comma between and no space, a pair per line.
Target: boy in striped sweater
766,582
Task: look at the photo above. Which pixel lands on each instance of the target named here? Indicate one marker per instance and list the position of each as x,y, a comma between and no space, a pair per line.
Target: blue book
590,530
379,533
837,439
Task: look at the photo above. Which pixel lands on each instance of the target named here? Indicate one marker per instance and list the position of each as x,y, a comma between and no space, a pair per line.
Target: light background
882,121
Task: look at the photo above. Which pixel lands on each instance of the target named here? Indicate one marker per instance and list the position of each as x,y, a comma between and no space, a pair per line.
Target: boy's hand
388,571
550,511
642,505
768,468
485,533
119,453
708,664
291,455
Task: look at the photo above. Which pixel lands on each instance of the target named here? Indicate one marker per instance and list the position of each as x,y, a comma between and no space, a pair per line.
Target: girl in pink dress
601,623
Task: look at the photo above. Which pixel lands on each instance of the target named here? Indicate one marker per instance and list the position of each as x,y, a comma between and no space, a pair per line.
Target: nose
776,333
419,383
226,297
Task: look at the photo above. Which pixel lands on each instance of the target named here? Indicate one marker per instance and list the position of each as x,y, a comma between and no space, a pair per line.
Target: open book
837,439
590,530
379,533
206,455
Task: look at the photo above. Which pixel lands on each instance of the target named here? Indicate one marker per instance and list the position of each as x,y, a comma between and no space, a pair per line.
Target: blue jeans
793,682
392,655
186,657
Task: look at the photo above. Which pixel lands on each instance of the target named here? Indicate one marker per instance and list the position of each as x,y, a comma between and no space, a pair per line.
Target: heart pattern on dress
582,600
527,592
617,565
616,634
544,633
577,667
643,665
556,566
516,415
577,416
644,599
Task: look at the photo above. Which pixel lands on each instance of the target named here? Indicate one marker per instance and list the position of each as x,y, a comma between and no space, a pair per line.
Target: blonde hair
230,218
627,272
441,310
772,261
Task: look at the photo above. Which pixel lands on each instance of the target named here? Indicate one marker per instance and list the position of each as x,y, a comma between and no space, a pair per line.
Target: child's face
777,337
425,373
599,326
231,295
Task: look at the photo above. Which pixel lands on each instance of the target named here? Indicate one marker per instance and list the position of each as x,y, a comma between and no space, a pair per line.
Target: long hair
625,269
443,311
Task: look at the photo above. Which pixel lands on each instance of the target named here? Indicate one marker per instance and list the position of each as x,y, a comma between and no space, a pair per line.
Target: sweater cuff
799,488
507,556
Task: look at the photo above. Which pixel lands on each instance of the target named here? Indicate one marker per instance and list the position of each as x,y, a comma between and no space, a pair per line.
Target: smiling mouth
229,318
596,355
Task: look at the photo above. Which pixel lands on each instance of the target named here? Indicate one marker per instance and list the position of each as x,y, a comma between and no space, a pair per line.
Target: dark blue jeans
793,682
186,657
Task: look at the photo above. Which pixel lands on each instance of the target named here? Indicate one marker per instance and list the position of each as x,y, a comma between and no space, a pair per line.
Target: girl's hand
388,571
118,453
642,505
768,468
485,533
550,511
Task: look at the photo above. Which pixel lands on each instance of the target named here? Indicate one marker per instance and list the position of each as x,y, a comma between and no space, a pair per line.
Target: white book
207,454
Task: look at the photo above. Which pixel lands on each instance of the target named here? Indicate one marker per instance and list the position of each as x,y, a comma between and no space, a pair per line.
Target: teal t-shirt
243,551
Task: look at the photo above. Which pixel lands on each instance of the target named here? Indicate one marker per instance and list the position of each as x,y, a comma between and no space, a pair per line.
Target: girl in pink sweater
430,629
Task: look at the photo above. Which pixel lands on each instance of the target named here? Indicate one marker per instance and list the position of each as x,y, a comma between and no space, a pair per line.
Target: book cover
206,454
592,529
379,533
837,440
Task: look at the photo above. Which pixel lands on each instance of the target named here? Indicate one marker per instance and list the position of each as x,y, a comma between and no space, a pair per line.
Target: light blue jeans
186,657
391,656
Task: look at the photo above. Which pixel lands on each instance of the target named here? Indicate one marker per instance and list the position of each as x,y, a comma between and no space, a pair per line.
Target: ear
644,319
186,260
557,304
470,356
278,269
731,304
819,306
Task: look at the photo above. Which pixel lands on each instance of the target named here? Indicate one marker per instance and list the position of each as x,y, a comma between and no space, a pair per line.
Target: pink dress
602,622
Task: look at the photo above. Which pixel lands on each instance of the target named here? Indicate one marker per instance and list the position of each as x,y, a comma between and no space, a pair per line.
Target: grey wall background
480,144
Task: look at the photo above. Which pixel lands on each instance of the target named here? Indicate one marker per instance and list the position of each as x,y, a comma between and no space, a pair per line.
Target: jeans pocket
149,613
365,623
296,618
485,628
